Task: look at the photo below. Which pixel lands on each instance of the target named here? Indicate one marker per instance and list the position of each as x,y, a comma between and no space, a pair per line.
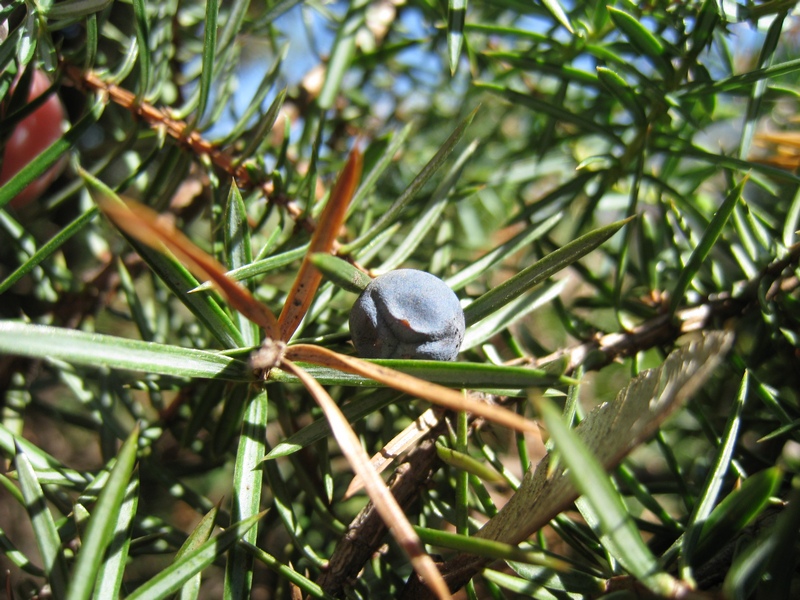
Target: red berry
30,138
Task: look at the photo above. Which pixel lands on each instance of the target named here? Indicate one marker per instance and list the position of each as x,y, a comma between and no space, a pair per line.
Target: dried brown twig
661,330
160,119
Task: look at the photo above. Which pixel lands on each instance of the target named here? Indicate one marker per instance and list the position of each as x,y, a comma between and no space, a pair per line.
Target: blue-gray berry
407,314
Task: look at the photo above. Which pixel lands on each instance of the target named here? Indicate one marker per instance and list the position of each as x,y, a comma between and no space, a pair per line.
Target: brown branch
661,330
160,119
366,533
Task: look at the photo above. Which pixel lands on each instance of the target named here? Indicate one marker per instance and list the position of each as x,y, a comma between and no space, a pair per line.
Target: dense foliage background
504,145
